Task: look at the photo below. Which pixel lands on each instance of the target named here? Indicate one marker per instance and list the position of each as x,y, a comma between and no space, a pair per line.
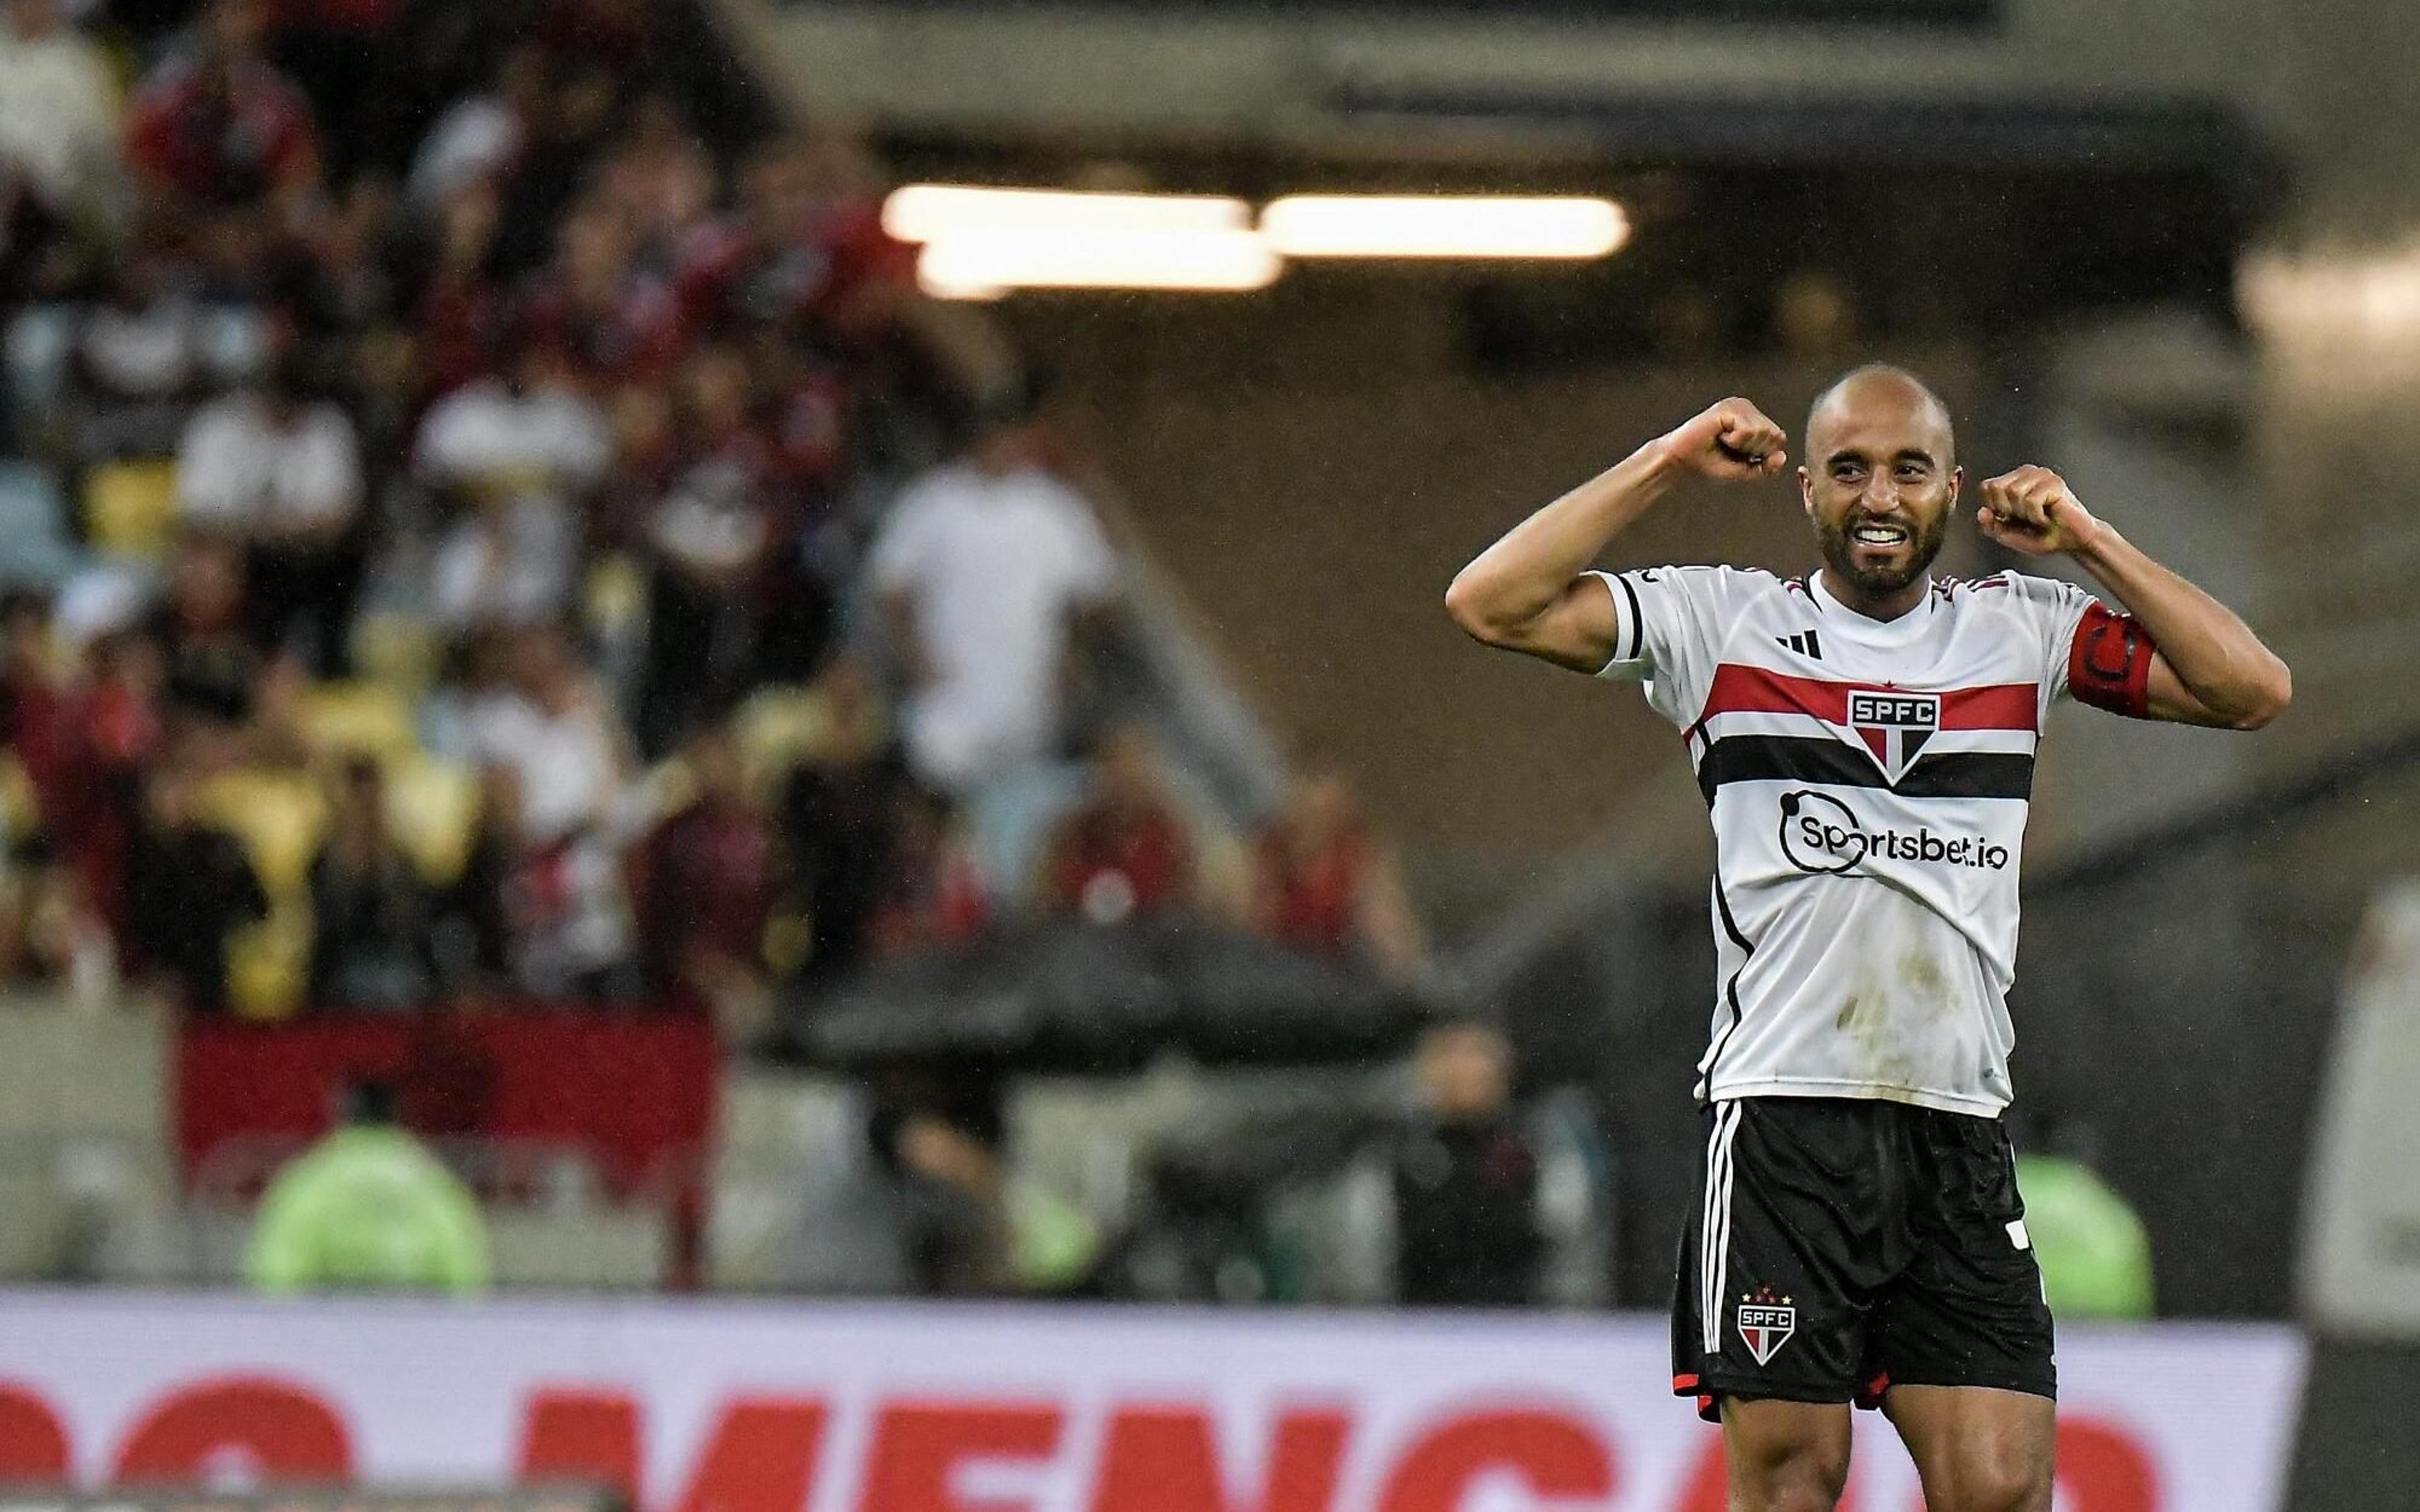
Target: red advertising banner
765,1407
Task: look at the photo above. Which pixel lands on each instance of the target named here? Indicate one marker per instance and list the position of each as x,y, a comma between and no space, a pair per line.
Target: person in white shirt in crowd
481,136
985,570
280,469
553,750
517,451
142,354
59,111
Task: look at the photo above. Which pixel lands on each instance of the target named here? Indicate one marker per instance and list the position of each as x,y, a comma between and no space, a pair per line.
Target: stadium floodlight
935,212
976,264
1443,226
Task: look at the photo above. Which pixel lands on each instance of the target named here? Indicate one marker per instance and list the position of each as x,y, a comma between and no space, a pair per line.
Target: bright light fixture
979,263
932,212
1443,226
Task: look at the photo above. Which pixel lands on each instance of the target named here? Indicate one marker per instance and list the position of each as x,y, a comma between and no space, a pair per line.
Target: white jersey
1869,784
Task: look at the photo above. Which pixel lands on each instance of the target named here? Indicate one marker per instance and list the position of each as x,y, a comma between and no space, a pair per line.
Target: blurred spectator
373,919
479,137
36,706
932,893
217,128
217,685
559,798
984,569
2095,1254
141,356
1466,1178
713,542
1322,883
1125,851
459,310
591,307
944,1170
39,930
551,170
706,882
368,1207
58,112
514,451
840,810
658,183
115,736
279,470
189,887
340,287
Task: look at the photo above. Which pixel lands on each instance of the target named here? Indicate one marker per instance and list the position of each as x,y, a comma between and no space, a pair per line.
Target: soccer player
1864,736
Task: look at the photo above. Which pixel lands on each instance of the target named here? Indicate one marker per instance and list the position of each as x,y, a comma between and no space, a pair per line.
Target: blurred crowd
476,525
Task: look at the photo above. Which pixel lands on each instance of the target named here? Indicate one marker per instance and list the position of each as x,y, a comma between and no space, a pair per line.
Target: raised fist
2032,510
1730,441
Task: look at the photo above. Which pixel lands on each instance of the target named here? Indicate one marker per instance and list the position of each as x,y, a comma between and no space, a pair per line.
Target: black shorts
1843,1245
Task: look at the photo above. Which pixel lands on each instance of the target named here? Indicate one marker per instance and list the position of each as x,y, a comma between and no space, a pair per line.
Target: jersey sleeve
1670,627
2089,652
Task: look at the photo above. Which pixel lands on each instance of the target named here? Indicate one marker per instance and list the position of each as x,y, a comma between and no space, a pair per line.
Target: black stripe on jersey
1815,758
1631,622
1731,988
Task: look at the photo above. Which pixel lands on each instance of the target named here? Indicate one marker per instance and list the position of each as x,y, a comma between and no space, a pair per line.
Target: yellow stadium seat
614,597
130,508
775,727
397,649
433,808
358,718
268,963
278,816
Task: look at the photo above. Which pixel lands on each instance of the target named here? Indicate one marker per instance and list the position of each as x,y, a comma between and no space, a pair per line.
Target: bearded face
1878,554
1879,486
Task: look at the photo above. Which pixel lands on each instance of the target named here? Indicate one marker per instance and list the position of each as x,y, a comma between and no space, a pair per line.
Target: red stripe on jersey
1743,689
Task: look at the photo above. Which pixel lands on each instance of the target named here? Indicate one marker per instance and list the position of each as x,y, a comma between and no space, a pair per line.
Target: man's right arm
1527,592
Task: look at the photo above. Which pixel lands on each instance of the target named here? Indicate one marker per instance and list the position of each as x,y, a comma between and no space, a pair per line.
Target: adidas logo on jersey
1804,642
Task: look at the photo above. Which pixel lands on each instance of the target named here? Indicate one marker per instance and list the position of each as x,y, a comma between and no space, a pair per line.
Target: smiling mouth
1872,534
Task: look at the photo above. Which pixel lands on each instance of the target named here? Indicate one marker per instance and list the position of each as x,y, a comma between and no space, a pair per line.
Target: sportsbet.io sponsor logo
1823,835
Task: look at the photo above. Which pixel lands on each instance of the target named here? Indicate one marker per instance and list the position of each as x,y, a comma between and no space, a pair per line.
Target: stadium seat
278,816
776,727
130,508
358,718
397,651
268,963
34,544
433,807
614,597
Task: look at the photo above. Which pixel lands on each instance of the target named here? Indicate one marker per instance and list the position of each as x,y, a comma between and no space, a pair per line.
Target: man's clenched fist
2032,510
1732,440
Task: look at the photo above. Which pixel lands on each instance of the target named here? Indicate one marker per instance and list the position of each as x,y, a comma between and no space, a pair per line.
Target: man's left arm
2198,662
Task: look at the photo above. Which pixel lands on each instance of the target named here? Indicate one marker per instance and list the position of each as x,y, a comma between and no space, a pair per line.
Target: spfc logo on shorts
1766,1327
1894,726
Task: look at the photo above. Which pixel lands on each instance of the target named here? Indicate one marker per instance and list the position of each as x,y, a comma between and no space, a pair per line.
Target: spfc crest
1894,726
1766,1327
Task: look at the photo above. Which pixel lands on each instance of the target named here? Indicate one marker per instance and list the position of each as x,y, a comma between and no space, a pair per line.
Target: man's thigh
1977,1448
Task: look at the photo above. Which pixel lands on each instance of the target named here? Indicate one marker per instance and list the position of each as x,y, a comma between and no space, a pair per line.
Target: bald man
1864,736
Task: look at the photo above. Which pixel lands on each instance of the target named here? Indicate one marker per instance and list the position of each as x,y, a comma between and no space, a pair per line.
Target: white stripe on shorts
1715,1227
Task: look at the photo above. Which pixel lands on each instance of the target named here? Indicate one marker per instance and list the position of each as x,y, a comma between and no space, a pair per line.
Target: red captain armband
2109,666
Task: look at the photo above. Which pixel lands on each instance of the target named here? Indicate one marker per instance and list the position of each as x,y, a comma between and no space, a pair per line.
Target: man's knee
1792,1461
2006,1478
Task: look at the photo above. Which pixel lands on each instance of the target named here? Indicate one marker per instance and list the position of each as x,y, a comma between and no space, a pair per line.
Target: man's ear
1807,492
1956,485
